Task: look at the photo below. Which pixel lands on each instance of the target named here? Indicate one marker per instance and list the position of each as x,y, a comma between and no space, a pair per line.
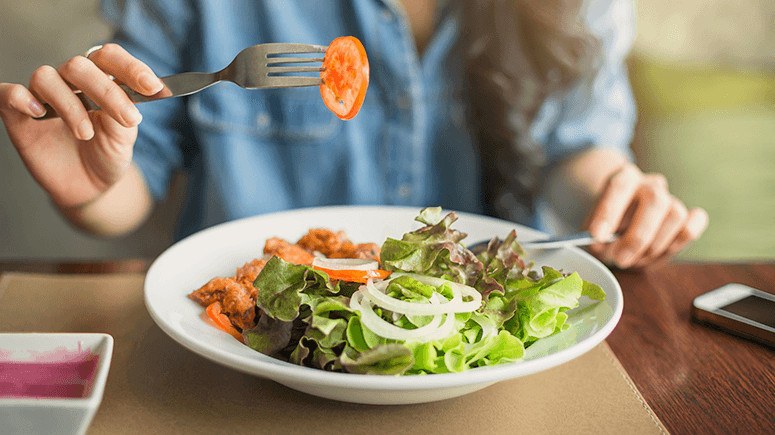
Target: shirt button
404,191
386,14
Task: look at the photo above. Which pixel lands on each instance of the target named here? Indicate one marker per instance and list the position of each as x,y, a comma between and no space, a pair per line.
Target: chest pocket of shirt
281,116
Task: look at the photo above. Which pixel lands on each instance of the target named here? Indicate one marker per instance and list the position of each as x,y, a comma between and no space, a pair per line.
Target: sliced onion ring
345,263
456,305
438,282
373,293
445,330
488,328
385,329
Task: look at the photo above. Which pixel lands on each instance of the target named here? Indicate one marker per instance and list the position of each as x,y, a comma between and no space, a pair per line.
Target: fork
582,238
262,66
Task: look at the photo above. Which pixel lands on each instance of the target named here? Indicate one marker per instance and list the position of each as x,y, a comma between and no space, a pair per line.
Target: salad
422,304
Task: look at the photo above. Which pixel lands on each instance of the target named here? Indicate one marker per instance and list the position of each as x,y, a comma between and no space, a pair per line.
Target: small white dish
219,250
52,382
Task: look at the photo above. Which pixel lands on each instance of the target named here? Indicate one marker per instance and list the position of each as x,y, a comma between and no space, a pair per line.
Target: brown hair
518,52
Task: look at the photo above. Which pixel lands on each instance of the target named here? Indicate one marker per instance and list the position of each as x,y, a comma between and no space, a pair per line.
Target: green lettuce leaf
269,336
592,291
502,261
433,250
424,358
541,304
503,348
385,359
328,320
281,285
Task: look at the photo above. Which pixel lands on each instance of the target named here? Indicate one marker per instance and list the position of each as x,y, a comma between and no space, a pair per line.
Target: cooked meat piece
322,240
287,251
210,292
362,250
237,299
237,295
337,245
239,304
367,250
249,271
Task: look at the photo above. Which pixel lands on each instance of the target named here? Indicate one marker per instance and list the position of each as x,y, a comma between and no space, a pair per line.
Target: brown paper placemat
157,386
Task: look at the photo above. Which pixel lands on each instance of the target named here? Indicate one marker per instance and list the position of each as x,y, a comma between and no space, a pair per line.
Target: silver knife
582,238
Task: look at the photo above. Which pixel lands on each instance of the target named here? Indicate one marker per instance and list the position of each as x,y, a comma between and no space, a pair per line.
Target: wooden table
696,379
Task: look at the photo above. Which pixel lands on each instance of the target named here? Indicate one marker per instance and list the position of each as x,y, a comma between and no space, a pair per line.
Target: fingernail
150,83
85,130
131,115
37,109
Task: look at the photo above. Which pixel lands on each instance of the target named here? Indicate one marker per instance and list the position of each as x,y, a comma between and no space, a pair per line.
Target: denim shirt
247,152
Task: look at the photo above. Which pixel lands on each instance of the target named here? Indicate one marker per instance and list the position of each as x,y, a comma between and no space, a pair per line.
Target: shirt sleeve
155,32
598,111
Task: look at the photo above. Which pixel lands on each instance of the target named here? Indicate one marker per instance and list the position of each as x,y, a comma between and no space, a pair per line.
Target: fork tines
283,63
283,60
275,58
276,70
284,48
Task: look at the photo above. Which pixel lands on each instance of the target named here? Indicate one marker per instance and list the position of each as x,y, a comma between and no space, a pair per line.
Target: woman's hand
77,157
652,223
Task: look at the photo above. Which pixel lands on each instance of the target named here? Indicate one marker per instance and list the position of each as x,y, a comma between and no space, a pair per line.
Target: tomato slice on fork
345,76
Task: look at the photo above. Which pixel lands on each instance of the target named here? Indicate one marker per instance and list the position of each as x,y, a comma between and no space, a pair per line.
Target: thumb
111,131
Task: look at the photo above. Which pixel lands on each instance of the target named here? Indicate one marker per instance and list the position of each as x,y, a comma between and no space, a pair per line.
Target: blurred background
703,72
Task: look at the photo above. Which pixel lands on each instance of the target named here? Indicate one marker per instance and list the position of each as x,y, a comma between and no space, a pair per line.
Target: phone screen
755,308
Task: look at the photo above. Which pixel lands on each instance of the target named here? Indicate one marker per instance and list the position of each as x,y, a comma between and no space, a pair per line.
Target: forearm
573,187
118,211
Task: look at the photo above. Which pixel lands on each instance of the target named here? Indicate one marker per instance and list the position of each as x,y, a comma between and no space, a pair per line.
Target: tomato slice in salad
345,76
360,276
214,312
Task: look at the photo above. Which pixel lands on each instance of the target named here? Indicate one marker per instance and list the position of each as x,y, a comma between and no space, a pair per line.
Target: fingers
653,204
90,76
83,74
616,198
693,227
16,98
652,223
127,69
696,223
673,223
51,87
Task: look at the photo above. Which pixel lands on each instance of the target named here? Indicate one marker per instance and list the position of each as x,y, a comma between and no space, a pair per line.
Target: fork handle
176,85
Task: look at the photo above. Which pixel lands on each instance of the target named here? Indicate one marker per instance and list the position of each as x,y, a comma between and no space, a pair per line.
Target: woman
540,86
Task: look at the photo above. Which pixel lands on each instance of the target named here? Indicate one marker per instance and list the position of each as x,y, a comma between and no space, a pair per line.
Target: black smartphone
740,310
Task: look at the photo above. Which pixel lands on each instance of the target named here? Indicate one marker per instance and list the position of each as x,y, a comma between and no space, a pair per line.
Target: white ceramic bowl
219,250
49,415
